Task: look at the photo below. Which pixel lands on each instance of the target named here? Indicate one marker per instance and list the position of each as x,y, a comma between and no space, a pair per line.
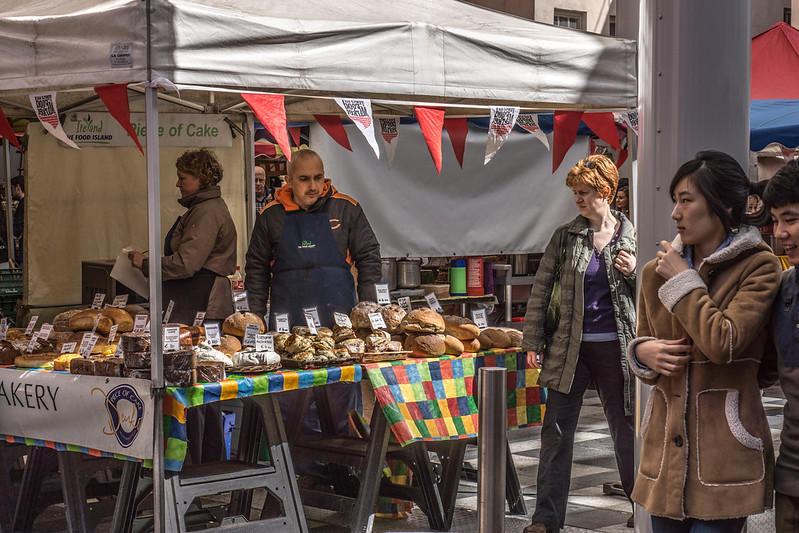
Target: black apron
309,271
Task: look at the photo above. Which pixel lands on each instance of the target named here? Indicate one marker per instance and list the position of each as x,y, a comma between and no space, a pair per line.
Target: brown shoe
535,528
631,521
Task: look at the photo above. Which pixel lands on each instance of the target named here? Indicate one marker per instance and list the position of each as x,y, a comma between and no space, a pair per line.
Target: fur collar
748,237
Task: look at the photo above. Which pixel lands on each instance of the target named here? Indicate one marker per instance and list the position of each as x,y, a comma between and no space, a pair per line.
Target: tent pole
9,211
249,171
156,344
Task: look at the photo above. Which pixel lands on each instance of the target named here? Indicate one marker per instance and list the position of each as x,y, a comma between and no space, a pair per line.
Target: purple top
599,316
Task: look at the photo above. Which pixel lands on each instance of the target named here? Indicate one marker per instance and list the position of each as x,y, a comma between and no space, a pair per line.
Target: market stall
201,55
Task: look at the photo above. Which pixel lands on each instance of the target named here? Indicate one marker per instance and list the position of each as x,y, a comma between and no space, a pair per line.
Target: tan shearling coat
707,450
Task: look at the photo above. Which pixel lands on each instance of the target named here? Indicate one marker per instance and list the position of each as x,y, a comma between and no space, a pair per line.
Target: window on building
786,15
570,19
612,25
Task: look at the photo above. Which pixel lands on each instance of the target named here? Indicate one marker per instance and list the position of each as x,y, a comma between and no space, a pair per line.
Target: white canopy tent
397,54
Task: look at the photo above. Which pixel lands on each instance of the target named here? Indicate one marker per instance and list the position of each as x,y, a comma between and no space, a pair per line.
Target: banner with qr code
45,106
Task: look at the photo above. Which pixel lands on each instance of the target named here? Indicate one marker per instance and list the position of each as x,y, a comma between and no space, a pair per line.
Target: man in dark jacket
303,247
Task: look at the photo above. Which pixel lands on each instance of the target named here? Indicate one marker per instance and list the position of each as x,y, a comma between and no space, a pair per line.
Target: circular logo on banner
125,413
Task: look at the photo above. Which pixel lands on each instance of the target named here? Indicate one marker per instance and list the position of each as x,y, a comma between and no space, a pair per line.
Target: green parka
573,244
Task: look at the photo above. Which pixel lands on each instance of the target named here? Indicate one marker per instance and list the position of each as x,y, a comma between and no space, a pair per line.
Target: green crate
10,282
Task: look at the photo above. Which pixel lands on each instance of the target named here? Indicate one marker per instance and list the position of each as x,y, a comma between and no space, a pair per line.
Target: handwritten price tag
479,318
250,332
240,301
314,312
69,347
405,303
198,318
383,297
265,343
44,333
120,300
139,322
432,301
168,312
309,320
99,297
112,333
282,323
172,338
377,321
212,333
342,320
31,324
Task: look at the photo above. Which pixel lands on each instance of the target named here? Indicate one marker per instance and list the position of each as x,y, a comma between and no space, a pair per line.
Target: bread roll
121,318
514,334
229,345
85,320
471,346
494,338
341,333
453,345
14,334
460,328
392,316
61,320
8,352
236,323
423,320
353,346
429,346
359,316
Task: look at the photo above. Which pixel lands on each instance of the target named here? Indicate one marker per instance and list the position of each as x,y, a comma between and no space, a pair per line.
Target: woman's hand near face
136,259
669,262
534,359
663,356
625,262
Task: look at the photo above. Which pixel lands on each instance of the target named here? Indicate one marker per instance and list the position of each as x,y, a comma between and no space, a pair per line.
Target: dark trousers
600,363
786,513
694,525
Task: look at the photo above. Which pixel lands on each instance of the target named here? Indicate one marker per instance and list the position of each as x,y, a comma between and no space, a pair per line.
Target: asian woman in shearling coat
707,457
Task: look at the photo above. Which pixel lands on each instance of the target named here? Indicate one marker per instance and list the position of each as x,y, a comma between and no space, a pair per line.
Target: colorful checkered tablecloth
435,399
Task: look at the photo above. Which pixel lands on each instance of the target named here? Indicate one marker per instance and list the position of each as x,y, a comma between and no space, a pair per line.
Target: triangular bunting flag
271,112
389,130
115,98
457,129
564,132
45,107
622,158
7,131
603,125
502,121
360,112
333,126
530,123
295,135
431,120
631,119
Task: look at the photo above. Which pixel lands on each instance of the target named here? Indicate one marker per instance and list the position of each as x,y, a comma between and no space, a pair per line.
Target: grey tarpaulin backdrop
511,205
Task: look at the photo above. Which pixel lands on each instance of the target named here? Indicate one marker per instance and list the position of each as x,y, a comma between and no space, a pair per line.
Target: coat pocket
728,454
654,435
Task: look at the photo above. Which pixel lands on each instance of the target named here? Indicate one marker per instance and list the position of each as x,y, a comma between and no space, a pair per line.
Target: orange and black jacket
353,234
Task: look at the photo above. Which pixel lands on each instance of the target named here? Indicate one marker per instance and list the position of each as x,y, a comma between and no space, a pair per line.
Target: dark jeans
786,513
694,525
600,363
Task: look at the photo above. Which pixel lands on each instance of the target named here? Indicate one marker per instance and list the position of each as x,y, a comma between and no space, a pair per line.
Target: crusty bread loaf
77,338
494,338
429,346
84,321
229,345
8,352
453,345
236,323
514,334
359,316
121,318
423,320
471,346
61,320
460,328
14,334
392,316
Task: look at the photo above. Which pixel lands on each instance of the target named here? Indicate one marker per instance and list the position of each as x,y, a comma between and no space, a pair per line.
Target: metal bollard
491,450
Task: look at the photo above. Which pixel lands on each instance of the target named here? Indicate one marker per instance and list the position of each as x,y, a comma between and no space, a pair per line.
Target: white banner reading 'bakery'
174,129
113,415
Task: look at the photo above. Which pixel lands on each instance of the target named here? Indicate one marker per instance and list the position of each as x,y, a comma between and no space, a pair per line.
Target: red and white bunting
389,130
45,106
631,119
359,110
529,122
502,121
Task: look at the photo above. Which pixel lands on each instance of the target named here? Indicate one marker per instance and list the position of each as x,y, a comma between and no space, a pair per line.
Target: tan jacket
707,450
205,238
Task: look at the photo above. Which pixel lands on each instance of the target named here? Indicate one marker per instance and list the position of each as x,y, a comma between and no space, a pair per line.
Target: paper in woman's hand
128,275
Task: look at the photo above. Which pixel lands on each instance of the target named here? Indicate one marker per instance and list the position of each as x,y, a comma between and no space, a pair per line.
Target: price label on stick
97,303
479,318
87,343
69,347
112,333
265,343
383,297
432,301
212,333
240,301
139,322
32,342
198,318
96,321
121,300
342,320
44,333
172,338
377,321
314,312
282,323
250,331
168,312
309,320
31,324
405,303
